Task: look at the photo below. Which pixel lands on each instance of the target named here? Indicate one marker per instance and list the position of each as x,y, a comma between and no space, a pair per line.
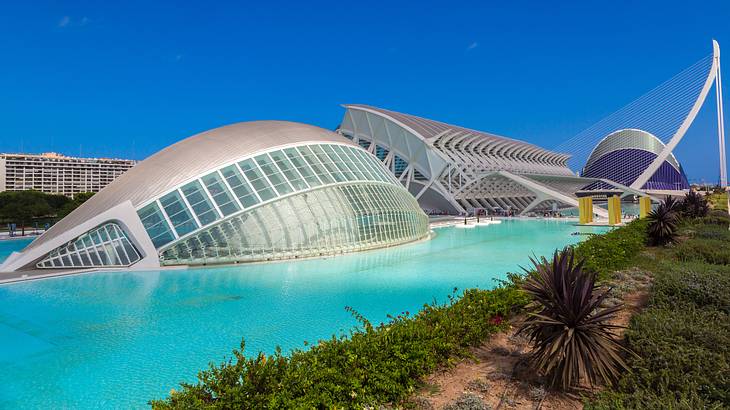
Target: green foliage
375,364
71,205
718,200
714,251
613,250
694,205
682,339
717,217
568,328
663,223
25,207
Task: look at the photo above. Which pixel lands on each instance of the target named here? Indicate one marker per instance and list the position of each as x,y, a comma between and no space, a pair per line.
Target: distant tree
79,199
57,202
22,207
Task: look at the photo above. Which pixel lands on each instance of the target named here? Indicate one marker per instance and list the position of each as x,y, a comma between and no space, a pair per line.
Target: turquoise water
8,246
116,340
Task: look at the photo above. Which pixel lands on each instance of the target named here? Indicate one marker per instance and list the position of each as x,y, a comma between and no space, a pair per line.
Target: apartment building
58,174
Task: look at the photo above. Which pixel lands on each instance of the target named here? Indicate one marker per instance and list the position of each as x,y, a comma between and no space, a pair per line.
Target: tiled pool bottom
116,340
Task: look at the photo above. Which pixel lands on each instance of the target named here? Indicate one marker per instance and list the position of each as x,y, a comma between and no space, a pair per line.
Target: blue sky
126,79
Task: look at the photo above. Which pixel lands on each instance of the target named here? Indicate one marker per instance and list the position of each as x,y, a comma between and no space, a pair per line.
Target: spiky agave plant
694,205
663,220
570,332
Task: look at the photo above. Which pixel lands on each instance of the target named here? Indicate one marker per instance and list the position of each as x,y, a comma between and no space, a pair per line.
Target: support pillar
614,210
644,206
585,210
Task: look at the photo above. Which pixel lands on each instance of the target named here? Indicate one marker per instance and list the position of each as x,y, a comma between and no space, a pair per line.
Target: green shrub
711,231
373,365
663,223
717,218
694,205
613,250
712,251
682,341
695,283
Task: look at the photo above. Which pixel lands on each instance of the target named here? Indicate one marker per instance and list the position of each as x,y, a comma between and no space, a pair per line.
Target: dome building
251,191
623,155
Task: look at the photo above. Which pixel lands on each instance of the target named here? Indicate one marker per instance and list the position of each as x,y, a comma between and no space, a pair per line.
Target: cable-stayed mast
720,116
664,114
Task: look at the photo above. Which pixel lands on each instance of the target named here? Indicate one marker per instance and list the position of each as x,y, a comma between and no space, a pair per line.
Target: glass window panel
95,261
85,261
163,239
273,174
355,155
240,187
120,253
339,162
316,165
287,168
302,166
327,162
182,221
353,165
257,180
198,200
222,197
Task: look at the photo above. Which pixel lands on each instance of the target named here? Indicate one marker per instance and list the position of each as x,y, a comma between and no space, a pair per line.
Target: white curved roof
630,138
188,158
455,140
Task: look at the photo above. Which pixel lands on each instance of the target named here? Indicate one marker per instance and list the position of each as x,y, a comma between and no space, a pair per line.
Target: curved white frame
679,134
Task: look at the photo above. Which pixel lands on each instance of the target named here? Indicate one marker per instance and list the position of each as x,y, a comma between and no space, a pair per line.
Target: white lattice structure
455,169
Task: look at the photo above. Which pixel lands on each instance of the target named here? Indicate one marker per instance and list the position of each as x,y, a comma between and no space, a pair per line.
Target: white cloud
472,46
65,20
84,20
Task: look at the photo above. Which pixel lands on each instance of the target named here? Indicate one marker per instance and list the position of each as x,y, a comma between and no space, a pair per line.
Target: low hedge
614,250
682,339
372,365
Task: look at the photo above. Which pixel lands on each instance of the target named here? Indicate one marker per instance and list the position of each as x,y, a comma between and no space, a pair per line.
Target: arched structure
666,113
455,169
244,192
623,155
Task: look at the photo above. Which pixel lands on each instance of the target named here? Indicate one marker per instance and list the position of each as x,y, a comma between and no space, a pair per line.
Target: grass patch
718,201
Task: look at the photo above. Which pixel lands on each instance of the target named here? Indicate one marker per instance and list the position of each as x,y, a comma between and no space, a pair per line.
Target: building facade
623,155
253,191
58,174
453,169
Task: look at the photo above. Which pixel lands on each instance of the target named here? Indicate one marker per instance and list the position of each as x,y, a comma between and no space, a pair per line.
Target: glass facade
334,219
295,201
251,181
104,246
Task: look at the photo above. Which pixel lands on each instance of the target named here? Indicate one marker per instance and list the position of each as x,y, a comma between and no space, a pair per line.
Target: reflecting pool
116,340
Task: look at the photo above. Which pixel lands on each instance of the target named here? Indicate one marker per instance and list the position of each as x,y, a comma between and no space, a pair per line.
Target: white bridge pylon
666,112
713,77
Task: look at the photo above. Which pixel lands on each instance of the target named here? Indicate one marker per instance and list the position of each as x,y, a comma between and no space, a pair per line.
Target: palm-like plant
695,205
662,228
571,333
